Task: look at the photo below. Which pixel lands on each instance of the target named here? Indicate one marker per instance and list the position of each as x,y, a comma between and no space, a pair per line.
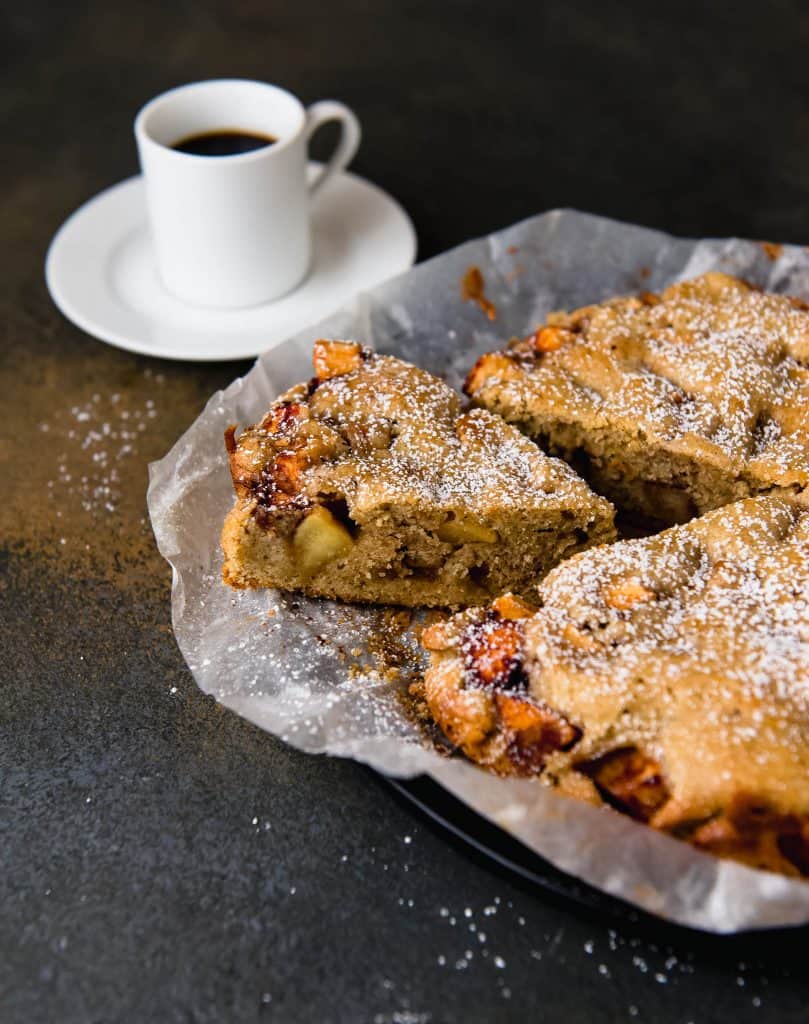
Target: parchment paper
306,670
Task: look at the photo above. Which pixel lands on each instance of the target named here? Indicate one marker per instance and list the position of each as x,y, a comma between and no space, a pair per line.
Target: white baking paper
305,670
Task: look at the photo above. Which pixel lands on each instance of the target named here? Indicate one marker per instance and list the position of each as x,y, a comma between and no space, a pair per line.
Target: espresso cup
233,231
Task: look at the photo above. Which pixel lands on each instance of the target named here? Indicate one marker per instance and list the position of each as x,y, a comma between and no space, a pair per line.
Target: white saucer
101,274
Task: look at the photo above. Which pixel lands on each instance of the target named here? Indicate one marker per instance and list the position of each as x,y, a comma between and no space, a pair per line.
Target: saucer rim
125,342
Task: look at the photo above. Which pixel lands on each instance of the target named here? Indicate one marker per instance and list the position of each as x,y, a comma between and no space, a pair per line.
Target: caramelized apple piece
320,539
509,606
493,652
755,833
629,780
549,339
493,364
244,458
626,593
283,418
286,472
334,358
534,730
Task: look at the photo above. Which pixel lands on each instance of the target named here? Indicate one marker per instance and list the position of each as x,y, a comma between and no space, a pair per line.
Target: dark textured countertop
163,860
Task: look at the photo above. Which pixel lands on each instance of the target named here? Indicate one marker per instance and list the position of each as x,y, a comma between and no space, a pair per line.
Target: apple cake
670,405
369,483
666,676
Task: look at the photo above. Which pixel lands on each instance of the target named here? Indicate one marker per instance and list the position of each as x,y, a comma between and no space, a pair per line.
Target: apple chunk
319,539
465,531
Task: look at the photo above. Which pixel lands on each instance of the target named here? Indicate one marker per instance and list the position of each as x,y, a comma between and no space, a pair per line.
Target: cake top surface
381,431
711,364
693,646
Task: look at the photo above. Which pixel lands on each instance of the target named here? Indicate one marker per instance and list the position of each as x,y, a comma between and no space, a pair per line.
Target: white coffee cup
231,231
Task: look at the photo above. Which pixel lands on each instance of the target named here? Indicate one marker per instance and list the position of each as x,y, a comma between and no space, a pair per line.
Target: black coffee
223,143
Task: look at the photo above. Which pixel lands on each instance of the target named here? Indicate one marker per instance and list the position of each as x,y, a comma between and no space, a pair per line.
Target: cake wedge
666,677
670,405
370,483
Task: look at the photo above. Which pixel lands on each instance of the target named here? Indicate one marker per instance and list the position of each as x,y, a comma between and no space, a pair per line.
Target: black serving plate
499,850
502,848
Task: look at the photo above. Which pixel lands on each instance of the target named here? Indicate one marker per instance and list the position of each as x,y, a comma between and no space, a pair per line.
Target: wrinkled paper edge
560,259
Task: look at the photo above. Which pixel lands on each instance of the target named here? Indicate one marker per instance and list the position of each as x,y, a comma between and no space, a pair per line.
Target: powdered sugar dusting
394,431
705,666
712,369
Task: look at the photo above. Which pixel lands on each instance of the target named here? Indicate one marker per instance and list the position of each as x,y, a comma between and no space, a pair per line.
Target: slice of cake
667,677
669,404
370,484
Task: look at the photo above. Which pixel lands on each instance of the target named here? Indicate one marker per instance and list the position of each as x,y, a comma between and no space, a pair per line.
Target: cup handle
331,110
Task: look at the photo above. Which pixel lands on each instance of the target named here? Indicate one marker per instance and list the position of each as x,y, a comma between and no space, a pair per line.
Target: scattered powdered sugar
611,954
102,435
402,1017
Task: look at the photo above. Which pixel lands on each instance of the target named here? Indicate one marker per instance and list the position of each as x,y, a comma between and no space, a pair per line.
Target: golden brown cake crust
672,675
671,404
370,483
